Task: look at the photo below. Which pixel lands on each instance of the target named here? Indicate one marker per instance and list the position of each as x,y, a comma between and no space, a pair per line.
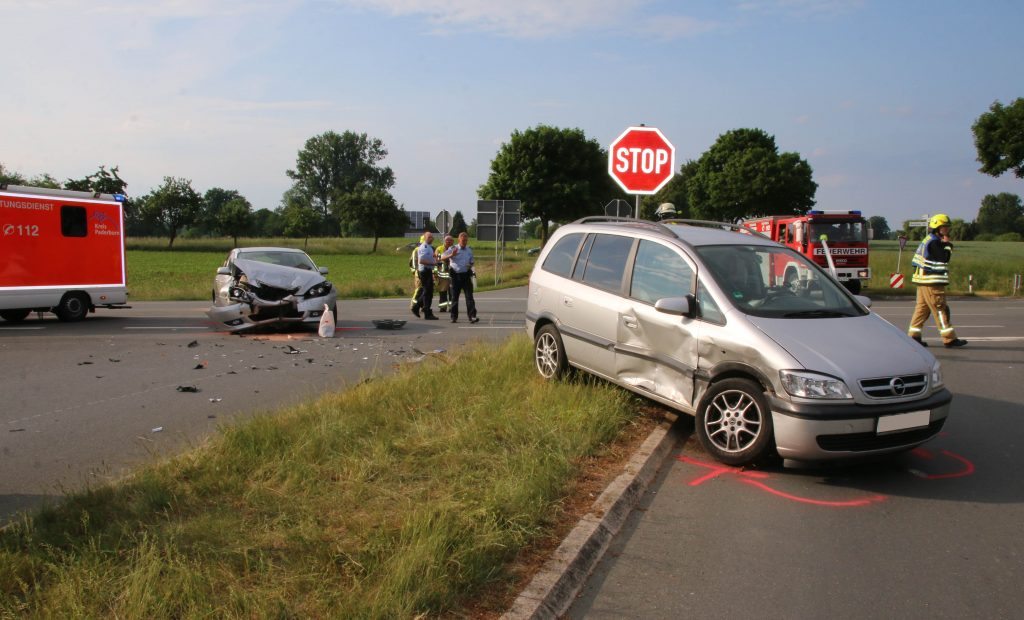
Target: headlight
319,290
239,294
813,385
937,375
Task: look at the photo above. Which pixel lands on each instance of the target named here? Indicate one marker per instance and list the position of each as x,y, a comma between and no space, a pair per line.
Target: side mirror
864,301
322,270
678,306
798,228
223,271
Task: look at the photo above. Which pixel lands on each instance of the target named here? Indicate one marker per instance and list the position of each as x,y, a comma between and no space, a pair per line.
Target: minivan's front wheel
734,423
549,353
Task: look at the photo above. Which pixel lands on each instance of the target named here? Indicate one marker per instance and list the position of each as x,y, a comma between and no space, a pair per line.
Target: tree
300,220
743,175
558,174
999,214
235,218
174,205
214,201
103,181
999,139
44,180
10,177
333,165
108,182
459,224
371,212
267,223
880,226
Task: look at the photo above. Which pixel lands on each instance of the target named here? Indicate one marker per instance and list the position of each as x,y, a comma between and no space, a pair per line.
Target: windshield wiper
815,314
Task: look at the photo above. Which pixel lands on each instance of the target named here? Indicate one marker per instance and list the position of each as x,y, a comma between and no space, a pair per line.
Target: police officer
931,276
425,260
665,211
461,258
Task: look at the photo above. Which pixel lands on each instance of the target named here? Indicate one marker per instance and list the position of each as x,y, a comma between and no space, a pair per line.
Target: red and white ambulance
60,251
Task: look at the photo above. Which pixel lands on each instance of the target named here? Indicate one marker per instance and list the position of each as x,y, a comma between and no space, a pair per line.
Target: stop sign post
642,161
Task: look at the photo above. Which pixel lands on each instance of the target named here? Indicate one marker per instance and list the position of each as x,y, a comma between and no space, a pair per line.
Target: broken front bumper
291,309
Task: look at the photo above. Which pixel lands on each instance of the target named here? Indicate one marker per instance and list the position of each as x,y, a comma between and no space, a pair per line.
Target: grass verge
404,496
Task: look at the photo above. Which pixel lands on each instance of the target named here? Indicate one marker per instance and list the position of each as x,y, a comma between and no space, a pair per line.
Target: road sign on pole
641,160
895,280
618,208
444,222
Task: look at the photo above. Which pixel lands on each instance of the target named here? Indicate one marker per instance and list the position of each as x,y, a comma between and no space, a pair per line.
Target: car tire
15,316
72,307
734,423
549,353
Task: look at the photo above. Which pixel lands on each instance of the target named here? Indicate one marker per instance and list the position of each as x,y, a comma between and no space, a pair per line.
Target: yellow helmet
938,220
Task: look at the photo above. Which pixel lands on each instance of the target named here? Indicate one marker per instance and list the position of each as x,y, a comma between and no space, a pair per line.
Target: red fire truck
60,251
845,233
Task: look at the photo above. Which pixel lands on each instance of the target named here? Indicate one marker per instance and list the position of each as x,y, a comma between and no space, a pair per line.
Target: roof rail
656,226
712,224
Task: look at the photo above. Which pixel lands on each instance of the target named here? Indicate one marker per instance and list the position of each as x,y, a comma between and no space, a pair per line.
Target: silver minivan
762,346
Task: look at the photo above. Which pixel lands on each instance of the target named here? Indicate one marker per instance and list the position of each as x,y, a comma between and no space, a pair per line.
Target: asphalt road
85,402
935,533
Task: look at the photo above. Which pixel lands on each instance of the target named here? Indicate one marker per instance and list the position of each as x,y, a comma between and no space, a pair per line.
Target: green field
186,272
992,263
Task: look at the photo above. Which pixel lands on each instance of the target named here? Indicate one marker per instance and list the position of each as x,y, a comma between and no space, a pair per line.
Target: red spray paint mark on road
754,478
967,467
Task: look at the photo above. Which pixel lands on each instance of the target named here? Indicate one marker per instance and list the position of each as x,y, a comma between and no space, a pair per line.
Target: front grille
863,442
271,293
894,387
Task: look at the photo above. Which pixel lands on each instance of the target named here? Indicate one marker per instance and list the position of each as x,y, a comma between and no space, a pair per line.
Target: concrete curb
554,588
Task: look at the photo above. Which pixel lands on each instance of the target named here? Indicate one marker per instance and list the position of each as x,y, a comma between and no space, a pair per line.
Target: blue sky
878,96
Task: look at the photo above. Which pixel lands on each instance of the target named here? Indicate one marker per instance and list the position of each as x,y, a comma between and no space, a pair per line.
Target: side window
581,262
782,233
709,310
659,272
607,261
72,221
560,259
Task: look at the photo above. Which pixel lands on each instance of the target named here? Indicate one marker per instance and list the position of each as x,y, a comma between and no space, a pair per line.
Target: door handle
629,321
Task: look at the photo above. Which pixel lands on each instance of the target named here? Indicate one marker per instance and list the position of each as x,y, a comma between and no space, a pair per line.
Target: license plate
903,421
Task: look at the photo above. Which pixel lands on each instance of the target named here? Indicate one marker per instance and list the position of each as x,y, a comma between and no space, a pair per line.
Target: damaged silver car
267,286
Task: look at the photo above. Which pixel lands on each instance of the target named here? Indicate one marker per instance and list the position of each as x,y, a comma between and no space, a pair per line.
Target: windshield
285,259
838,232
775,282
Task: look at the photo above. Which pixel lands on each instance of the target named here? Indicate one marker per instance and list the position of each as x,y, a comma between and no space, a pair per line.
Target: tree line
340,186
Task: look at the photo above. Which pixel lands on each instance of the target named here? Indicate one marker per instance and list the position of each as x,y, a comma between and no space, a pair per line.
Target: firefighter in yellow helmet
931,274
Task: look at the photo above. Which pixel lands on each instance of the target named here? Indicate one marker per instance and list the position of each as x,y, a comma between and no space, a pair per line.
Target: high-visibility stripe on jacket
932,261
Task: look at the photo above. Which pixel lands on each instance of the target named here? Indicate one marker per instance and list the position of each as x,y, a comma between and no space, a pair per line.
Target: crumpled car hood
278,275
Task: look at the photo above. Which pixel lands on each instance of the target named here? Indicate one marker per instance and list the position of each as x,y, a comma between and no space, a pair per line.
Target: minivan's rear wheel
549,353
72,307
734,423
15,316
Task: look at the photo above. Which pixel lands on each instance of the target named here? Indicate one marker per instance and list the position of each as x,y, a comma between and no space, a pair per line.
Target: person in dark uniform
460,258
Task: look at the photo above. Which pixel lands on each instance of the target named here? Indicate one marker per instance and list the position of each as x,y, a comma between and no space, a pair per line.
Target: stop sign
641,160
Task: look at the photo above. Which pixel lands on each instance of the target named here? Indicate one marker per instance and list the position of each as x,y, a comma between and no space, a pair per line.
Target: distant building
417,222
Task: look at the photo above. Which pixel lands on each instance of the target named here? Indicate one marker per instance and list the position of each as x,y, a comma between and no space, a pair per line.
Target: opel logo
897,386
